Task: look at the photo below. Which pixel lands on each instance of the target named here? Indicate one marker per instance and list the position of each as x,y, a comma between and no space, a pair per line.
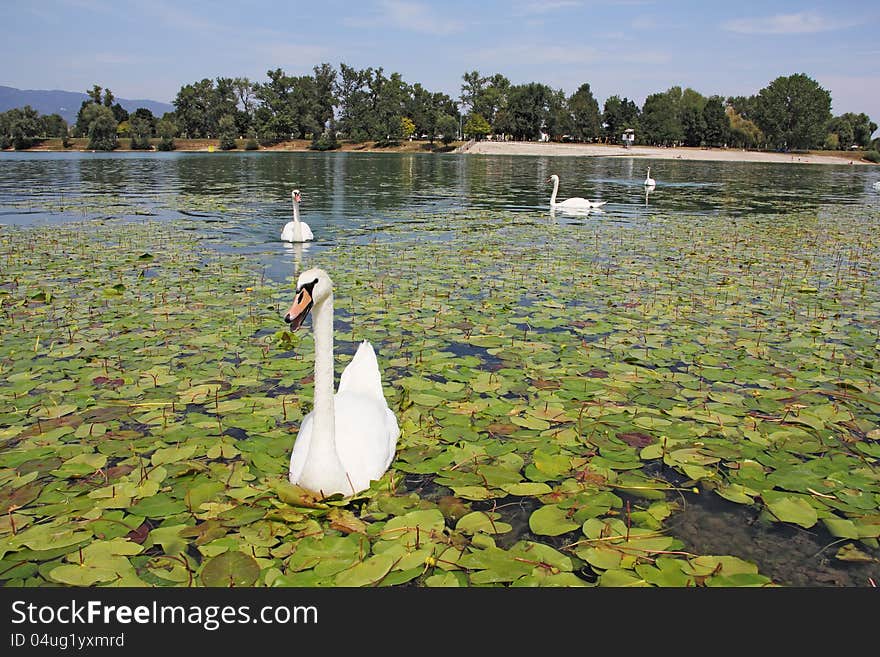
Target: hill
67,103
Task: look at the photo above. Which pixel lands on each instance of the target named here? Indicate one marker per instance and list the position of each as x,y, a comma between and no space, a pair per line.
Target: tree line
791,112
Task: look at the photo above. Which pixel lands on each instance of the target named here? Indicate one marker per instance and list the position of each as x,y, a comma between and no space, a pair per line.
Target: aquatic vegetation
560,401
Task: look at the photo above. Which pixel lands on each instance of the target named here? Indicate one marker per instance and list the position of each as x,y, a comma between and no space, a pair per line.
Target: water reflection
249,192
296,250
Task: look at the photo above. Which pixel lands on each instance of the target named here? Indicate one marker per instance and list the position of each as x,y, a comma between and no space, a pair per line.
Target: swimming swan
574,203
649,181
296,230
348,439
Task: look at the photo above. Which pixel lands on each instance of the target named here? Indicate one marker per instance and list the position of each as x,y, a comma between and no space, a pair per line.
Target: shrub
251,145
324,142
872,156
165,144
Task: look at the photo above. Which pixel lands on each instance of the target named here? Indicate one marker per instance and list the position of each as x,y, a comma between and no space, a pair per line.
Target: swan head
295,195
552,178
312,288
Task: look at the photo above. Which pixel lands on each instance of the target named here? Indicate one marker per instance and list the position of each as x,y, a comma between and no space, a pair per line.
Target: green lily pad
231,568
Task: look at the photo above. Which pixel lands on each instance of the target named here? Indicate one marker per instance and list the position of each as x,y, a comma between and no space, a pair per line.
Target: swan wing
287,232
574,202
361,375
306,232
366,438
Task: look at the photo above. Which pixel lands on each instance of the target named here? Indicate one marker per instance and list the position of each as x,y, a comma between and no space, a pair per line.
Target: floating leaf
229,569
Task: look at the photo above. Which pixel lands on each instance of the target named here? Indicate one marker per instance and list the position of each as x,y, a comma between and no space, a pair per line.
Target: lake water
243,200
245,197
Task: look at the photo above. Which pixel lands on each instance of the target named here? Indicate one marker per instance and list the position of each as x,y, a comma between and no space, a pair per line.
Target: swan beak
300,308
297,198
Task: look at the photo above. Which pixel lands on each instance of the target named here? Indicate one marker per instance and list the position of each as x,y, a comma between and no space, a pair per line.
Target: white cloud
409,16
547,7
805,22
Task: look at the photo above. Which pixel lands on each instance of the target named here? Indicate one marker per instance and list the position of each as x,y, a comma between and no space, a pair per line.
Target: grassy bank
206,145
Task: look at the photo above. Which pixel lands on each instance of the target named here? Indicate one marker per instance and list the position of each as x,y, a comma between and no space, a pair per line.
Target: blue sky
632,48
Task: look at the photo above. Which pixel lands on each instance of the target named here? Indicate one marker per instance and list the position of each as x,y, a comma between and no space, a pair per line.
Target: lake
664,391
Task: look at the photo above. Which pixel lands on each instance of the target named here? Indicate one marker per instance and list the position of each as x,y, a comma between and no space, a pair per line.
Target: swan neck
324,428
555,189
297,226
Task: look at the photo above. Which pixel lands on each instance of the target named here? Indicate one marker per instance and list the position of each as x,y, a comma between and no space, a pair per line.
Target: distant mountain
67,103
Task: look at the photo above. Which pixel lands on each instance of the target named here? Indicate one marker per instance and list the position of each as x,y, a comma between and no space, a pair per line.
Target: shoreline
657,152
541,149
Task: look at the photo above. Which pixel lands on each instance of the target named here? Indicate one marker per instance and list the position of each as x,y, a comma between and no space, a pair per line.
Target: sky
632,48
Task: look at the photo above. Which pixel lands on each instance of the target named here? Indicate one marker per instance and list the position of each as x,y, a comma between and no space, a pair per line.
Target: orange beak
300,308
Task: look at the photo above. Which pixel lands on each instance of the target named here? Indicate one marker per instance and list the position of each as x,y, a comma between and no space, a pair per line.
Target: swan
574,203
349,438
296,230
649,181
877,186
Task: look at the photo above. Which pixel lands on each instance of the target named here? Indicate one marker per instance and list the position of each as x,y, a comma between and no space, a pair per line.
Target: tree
477,127
742,132
193,109
447,126
325,94
558,121
585,114
851,129
226,132
166,129
22,126
619,114
660,121
407,128
102,129
690,112
527,111
715,122
793,112
140,129
53,125
486,96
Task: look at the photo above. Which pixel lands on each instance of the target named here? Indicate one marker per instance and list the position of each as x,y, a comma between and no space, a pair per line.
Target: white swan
349,439
296,230
877,186
649,181
574,203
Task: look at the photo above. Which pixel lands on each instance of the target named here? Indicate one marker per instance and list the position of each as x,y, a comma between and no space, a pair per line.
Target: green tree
619,114
140,130
53,125
166,129
22,127
102,129
325,95
585,114
447,127
527,111
793,112
660,119
486,96
193,107
742,132
715,122
559,120
690,112
226,132
477,127
852,129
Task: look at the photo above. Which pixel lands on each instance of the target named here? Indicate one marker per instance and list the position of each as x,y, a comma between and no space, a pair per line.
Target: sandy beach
680,153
